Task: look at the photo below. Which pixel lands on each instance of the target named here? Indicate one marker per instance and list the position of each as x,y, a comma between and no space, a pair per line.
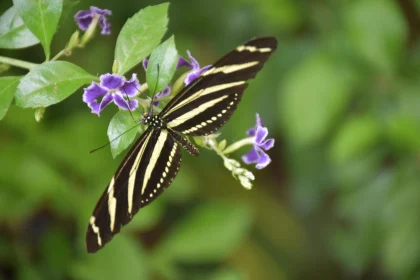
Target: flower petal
183,62
123,104
251,132
194,62
261,134
191,76
105,25
100,12
165,92
264,160
267,144
130,87
112,81
105,101
145,62
251,157
195,74
133,104
259,120
83,19
93,92
94,106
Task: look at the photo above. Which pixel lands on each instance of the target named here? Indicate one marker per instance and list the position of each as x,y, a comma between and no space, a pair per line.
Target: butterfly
201,108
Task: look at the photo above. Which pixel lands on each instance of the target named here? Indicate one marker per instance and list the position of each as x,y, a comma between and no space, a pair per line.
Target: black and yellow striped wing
208,102
152,163
148,169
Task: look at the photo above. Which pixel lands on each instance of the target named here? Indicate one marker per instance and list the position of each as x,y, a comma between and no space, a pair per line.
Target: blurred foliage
341,199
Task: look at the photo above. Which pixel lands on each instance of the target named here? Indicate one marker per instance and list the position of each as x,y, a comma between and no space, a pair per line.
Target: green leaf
41,17
119,132
227,274
210,233
120,259
312,97
140,35
377,31
355,137
13,32
50,83
8,87
166,56
67,8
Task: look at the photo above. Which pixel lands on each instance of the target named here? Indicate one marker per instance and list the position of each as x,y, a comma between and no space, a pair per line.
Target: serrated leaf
166,57
50,83
377,31
210,233
41,17
119,132
8,87
13,32
140,35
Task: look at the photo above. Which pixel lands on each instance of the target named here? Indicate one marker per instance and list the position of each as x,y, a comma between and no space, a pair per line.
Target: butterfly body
152,120
201,108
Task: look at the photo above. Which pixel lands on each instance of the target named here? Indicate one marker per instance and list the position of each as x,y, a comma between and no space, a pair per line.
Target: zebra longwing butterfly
199,109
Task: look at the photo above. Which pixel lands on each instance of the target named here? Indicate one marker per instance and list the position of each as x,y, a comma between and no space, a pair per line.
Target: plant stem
57,56
18,63
213,145
239,144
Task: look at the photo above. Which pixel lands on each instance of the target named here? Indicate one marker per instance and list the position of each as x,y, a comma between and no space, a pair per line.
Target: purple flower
193,65
257,154
112,87
85,18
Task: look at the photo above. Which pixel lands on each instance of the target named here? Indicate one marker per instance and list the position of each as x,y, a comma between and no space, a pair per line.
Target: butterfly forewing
207,103
147,170
153,162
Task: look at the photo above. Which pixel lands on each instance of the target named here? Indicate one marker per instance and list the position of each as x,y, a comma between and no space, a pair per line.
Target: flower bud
39,113
245,182
74,40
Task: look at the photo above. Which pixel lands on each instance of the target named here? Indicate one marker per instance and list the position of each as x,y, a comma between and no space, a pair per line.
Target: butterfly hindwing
154,160
207,103
146,171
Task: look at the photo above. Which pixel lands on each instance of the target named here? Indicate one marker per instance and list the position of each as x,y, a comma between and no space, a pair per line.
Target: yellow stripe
153,159
95,229
253,49
204,92
112,204
229,68
133,171
191,114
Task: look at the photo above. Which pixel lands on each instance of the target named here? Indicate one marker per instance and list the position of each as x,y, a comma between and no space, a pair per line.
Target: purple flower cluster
85,18
195,72
115,88
257,154
112,88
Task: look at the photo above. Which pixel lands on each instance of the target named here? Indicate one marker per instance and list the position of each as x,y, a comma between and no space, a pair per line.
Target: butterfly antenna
94,150
154,90
131,114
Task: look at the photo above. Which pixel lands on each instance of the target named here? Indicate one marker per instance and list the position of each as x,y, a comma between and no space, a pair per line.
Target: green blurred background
341,199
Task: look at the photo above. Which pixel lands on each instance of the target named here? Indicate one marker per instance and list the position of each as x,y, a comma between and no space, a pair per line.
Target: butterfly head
150,119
